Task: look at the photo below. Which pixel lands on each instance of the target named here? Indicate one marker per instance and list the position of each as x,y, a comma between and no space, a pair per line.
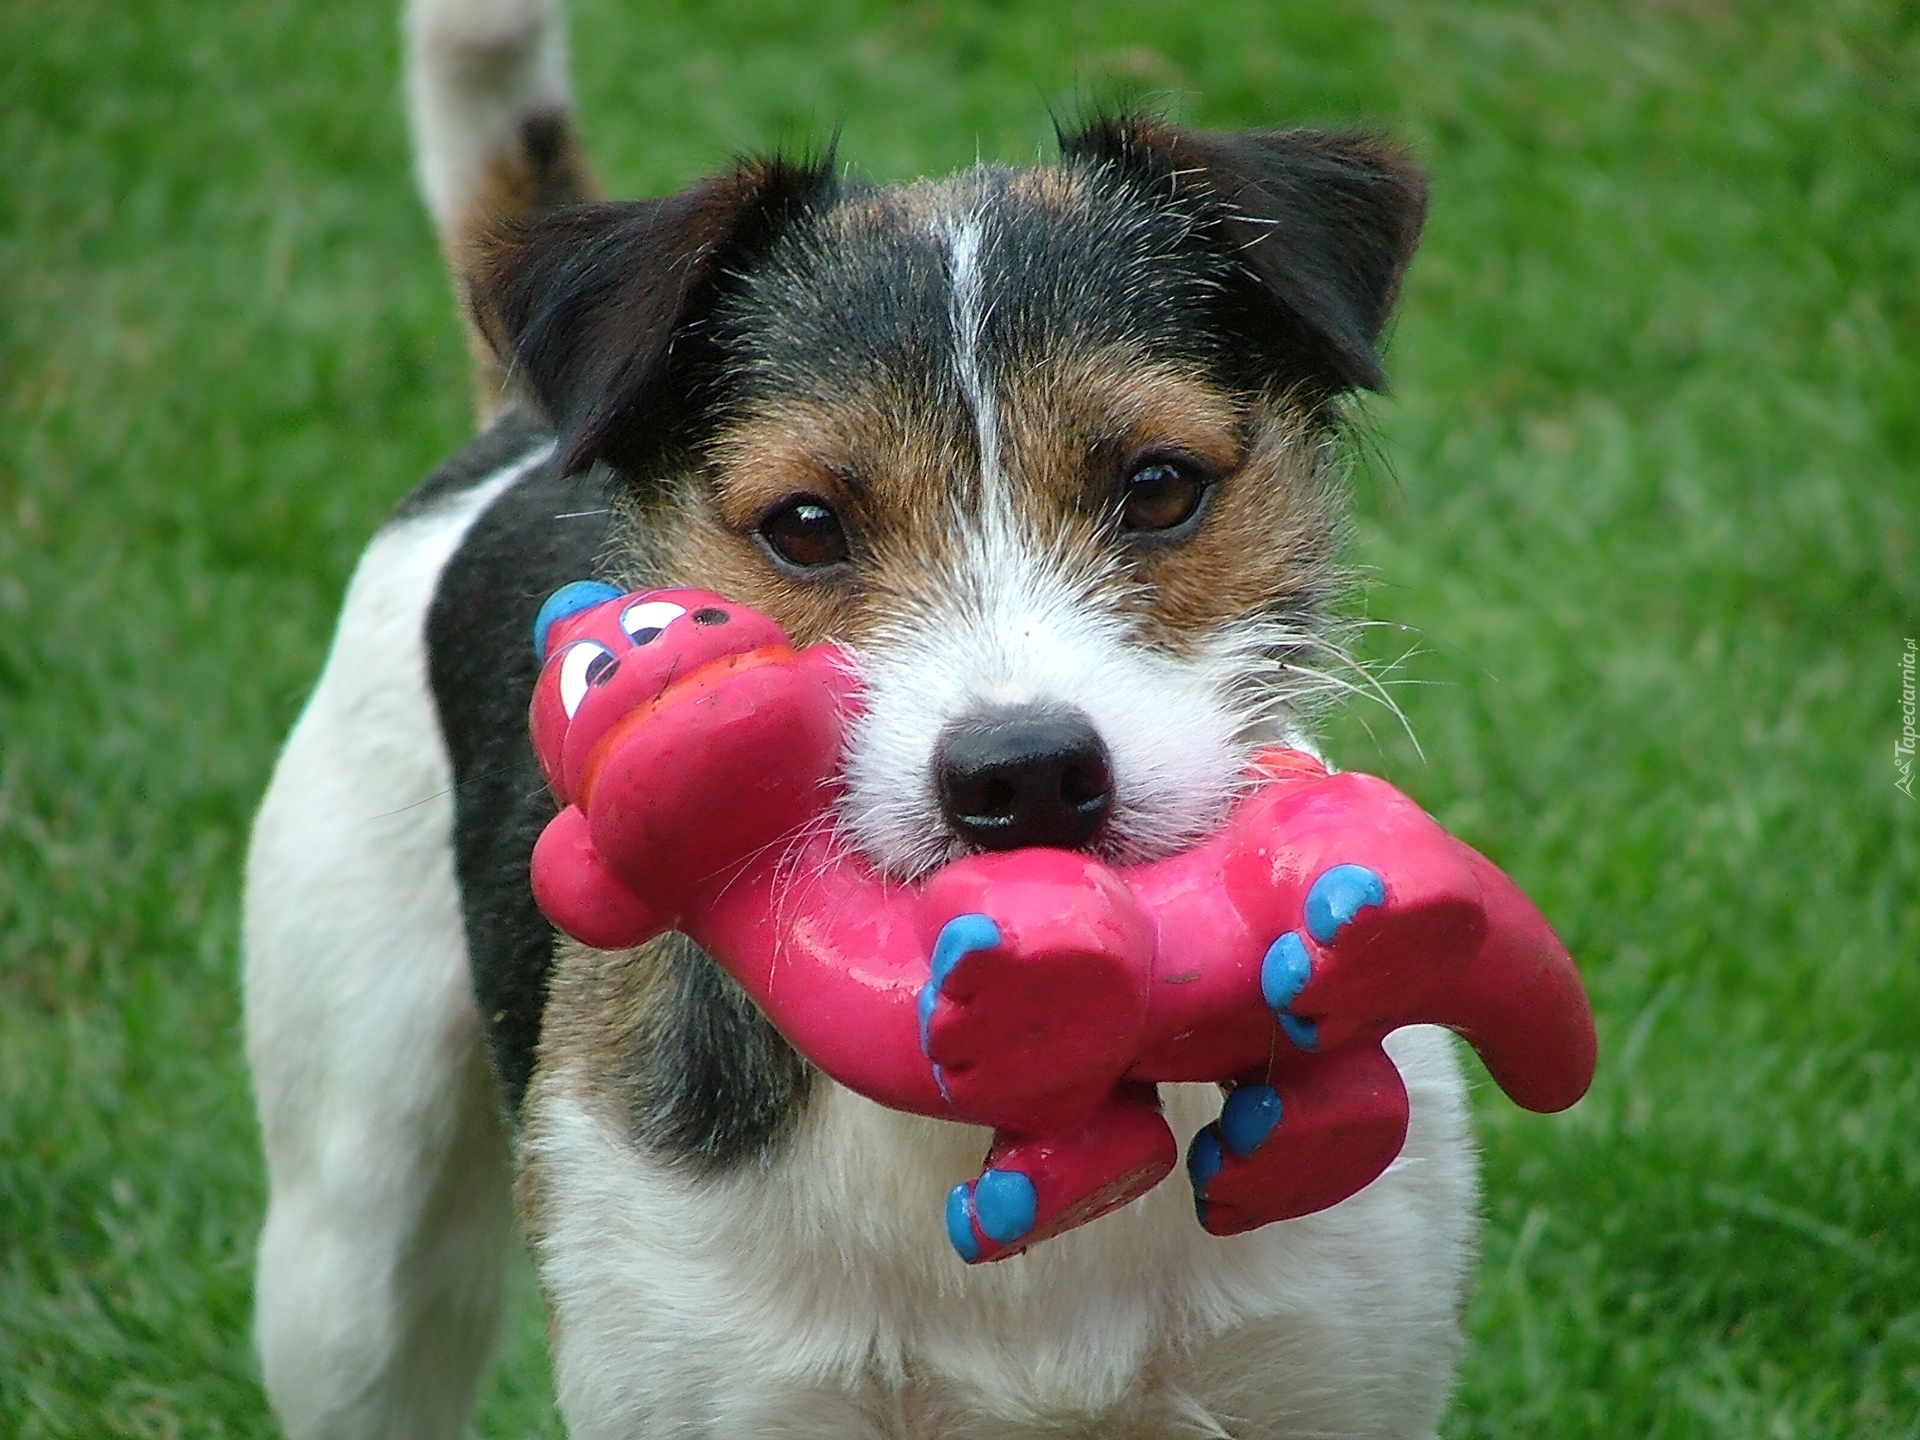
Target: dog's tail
494,138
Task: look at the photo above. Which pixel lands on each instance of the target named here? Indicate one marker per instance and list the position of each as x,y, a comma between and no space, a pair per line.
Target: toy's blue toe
1283,975
1003,1203
1006,1204
1285,971
958,938
1338,895
1304,1034
1204,1159
1248,1118
960,1223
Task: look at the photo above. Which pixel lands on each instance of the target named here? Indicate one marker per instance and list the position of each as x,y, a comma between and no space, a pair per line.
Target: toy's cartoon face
606,654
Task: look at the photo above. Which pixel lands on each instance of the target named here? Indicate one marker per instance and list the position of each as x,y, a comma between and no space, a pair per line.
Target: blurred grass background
1645,500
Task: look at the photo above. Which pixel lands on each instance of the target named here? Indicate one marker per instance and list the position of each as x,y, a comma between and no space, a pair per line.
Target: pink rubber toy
1043,993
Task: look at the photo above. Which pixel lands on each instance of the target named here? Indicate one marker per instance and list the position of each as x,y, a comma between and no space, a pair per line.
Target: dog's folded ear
1320,224
595,307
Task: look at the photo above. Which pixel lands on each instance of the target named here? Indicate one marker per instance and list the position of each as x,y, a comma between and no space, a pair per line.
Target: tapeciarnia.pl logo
1903,747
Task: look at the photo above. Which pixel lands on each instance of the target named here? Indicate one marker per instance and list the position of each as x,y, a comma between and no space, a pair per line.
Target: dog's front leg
389,1218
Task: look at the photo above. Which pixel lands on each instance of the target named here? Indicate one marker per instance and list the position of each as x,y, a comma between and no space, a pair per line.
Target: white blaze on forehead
967,310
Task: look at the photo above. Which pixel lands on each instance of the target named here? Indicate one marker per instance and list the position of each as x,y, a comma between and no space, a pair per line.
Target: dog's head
1050,449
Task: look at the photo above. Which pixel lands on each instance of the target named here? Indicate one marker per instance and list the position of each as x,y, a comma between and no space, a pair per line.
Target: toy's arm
834,960
578,893
1327,914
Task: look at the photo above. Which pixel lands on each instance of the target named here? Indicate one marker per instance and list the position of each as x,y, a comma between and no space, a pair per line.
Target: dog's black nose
1024,776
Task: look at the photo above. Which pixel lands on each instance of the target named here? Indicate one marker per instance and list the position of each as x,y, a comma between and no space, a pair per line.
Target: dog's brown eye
806,533
1161,495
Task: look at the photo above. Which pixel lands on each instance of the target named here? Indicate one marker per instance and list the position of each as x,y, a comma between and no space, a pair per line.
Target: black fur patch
712,1084
1275,267
1318,228
835,303
590,303
481,661
1272,258
513,434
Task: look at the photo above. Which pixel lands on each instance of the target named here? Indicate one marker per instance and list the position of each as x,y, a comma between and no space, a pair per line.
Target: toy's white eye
644,621
584,664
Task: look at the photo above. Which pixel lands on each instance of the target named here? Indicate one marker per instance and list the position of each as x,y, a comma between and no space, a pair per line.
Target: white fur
475,70
819,1298
379,1276
968,316
1016,626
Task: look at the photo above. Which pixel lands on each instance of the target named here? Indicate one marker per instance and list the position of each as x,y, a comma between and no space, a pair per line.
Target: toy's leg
1315,1135
1375,944
1443,937
1036,992
1036,1187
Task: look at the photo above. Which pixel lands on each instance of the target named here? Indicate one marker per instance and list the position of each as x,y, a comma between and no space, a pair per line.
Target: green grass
1645,500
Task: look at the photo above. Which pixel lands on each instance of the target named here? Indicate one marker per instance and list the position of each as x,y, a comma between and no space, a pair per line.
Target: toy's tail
494,138
1521,1005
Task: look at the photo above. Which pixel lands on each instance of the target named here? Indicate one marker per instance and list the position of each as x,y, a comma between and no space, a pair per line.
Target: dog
1054,452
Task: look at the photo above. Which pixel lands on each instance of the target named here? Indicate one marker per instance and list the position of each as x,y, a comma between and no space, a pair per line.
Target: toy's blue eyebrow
569,599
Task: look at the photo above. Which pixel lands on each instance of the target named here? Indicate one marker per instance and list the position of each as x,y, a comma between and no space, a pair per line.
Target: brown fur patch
599,1007
545,167
904,477
1267,543
1054,188
897,471
1074,429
